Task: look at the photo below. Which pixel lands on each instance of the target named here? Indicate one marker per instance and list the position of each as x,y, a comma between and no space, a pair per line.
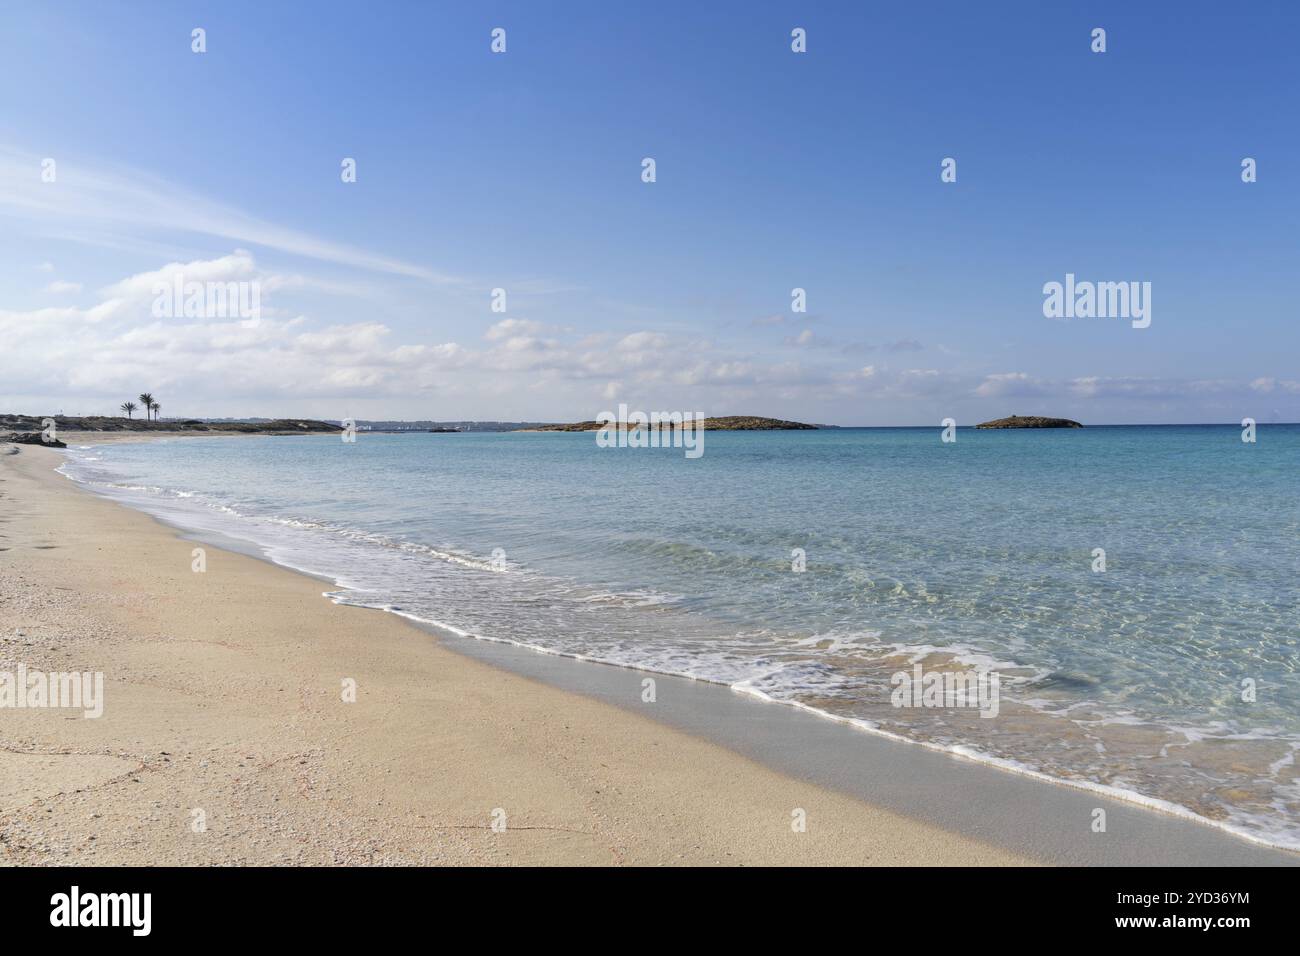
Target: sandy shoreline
223,695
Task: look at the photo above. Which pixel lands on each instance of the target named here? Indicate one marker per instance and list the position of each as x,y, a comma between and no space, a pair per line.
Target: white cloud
511,328
1011,384
1267,385
294,362
236,266
641,340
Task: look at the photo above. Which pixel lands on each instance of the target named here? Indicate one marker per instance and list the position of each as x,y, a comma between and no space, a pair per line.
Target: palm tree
155,406
146,400
128,407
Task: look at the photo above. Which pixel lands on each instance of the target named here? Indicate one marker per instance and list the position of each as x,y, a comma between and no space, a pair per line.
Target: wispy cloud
91,201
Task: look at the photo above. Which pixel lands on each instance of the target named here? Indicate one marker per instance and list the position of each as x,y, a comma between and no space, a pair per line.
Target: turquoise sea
978,554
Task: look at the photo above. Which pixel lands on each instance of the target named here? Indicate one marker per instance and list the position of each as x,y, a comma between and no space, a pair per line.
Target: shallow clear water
976,554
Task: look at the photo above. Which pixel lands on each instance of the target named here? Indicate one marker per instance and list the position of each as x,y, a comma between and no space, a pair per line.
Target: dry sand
223,694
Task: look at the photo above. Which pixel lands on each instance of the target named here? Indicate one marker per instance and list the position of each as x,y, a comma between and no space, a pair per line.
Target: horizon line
502,421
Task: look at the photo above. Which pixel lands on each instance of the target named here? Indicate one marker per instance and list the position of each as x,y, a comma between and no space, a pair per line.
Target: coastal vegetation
21,424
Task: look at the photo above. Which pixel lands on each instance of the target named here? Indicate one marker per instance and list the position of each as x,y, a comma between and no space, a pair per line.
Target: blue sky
775,170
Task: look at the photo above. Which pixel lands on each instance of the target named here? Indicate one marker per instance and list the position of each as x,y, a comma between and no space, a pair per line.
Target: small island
729,423
1030,421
